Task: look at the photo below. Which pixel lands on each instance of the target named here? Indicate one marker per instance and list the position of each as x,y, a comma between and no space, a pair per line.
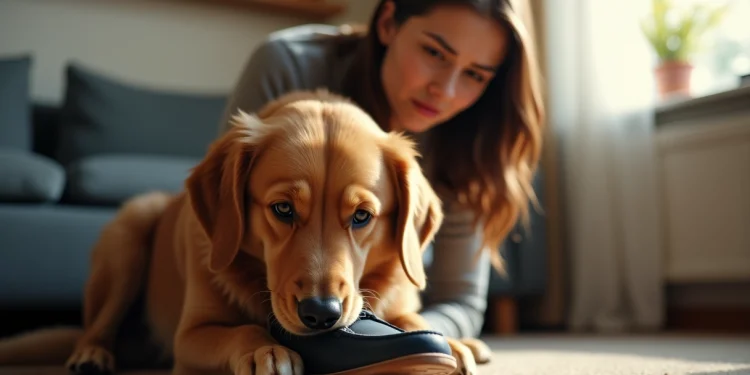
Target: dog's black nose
319,313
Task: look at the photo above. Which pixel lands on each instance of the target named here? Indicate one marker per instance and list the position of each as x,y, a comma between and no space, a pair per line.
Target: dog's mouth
314,315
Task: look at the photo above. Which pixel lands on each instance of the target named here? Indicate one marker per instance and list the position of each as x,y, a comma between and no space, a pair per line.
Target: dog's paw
465,363
270,360
91,360
482,353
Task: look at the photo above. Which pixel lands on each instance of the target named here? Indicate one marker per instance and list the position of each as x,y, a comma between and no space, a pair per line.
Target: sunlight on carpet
626,355
570,355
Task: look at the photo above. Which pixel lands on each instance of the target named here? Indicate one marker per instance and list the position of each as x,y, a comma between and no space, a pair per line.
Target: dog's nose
319,313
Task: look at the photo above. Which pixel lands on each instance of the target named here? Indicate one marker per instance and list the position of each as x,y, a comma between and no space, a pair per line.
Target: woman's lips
425,109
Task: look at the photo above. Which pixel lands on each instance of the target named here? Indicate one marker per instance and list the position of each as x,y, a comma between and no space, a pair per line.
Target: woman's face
438,64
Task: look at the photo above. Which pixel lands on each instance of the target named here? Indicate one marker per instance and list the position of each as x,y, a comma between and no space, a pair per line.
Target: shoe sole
416,364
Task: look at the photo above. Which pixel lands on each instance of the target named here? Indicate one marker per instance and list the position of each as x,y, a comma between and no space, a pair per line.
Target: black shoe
367,347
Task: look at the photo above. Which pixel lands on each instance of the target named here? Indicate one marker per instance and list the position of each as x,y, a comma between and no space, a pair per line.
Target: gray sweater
304,57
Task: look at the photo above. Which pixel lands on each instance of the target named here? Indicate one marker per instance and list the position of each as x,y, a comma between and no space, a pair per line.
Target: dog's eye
283,211
361,218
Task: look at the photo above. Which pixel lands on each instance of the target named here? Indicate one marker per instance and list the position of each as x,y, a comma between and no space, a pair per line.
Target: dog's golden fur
212,263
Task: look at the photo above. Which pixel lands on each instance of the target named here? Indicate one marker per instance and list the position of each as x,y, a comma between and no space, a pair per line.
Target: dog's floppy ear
217,188
419,213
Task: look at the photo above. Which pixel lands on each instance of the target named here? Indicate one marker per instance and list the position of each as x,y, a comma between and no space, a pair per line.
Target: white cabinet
704,169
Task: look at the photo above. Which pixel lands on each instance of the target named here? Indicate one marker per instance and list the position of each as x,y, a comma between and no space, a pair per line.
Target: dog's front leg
215,336
241,350
465,356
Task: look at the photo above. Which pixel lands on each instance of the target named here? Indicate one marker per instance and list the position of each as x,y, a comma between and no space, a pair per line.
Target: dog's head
310,185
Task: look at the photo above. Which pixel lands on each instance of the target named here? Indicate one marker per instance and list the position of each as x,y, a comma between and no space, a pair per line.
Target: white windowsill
726,103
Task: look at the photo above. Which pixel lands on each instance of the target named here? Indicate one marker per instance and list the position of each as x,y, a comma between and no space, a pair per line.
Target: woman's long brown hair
487,155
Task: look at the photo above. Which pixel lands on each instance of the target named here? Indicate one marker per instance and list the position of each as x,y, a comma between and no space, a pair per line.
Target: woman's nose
444,85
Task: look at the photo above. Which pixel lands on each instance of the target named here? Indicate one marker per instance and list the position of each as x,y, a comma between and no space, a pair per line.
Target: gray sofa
65,169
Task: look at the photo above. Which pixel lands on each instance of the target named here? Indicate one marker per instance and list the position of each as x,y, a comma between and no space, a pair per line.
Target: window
725,55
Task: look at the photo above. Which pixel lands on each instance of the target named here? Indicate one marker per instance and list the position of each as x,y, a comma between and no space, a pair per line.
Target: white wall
163,44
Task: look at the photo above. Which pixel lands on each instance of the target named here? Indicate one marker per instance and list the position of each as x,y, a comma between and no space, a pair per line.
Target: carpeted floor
625,355
569,355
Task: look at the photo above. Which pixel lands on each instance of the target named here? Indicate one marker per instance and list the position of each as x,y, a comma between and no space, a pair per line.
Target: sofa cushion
112,179
28,177
45,255
101,115
15,107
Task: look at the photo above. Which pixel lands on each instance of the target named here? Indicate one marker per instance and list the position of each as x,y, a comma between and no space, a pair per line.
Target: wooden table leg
505,317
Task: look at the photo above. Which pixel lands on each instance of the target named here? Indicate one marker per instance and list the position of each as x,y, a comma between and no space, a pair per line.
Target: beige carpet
566,355
626,355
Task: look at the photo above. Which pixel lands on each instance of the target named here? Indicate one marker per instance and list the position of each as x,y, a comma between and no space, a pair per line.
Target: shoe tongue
369,324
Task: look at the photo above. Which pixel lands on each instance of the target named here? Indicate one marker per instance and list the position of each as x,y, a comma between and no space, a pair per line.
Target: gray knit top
306,57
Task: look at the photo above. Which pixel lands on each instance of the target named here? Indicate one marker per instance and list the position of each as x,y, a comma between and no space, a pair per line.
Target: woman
461,77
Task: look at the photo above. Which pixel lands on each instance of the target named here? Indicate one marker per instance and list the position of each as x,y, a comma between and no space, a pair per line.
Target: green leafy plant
675,32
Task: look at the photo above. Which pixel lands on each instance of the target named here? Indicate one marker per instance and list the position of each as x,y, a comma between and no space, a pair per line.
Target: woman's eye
476,76
434,53
283,211
360,219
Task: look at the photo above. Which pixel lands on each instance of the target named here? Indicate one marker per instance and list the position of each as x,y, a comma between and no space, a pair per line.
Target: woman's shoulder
315,54
309,41
305,33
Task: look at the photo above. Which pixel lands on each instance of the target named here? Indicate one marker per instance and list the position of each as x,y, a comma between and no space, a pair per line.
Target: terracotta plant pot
673,78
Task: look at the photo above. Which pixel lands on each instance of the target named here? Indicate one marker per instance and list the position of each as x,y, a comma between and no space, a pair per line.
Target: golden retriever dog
306,199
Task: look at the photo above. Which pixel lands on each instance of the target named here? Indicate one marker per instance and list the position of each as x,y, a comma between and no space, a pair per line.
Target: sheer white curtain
601,97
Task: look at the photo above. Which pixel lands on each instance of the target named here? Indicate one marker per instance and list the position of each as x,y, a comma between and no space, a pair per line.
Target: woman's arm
455,299
268,74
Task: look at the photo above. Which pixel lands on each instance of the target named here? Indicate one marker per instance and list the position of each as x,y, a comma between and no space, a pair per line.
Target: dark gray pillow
28,177
15,103
112,179
103,116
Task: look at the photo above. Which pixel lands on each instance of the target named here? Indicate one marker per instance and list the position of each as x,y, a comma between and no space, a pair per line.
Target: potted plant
675,34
